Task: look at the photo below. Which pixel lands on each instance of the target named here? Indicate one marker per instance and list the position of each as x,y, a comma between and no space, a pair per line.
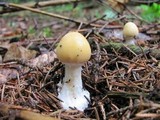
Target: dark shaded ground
123,84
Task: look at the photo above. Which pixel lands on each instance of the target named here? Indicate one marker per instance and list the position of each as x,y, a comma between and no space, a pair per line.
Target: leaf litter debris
123,83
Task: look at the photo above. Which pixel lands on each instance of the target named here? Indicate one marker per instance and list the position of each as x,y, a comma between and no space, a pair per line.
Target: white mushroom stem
130,40
72,92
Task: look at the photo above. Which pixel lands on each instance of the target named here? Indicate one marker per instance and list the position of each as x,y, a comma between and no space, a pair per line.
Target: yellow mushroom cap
130,30
73,48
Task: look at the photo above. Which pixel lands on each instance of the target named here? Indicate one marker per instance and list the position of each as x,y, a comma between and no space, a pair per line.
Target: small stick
140,18
53,15
36,4
117,46
42,12
23,113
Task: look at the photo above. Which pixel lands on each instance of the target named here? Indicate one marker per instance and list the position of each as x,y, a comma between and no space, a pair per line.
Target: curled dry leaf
16,52
7,74
3,79
23,114
116,5
42,60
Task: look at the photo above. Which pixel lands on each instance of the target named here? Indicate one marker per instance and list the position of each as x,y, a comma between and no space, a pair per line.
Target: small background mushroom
130,30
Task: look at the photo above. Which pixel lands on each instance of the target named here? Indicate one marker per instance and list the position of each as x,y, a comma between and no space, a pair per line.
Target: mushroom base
72,93
130,42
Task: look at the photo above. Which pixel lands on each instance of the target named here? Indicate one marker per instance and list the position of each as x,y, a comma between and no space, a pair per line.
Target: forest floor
123,80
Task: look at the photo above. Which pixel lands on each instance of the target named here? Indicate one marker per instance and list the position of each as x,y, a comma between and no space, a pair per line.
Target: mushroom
130,30
73,50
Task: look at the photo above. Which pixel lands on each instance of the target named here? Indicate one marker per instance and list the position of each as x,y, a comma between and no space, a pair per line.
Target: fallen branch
36,4
42,12
147,105
136,49
55,15
18,112
125,94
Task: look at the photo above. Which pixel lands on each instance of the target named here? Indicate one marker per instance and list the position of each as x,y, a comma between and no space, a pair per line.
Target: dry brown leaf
117,5
16,52
42,60
10,32
23,114
3,79
7,74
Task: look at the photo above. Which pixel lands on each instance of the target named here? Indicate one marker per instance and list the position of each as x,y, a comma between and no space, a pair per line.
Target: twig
55,15
130,50
101,105
144,1
42,12
122,17
121,110
36,4
93,21
125,94
137,16
3,90
22,113
136,49
96,113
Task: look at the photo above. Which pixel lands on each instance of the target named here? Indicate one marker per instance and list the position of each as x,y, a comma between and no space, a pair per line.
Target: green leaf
151,13
47,32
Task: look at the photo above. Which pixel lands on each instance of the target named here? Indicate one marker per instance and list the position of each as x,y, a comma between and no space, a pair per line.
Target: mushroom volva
73,51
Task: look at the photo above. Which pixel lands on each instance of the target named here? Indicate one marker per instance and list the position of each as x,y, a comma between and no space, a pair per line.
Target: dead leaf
141,42
23,114
143,37
42,60
7,74
3,79
16,52
117,5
